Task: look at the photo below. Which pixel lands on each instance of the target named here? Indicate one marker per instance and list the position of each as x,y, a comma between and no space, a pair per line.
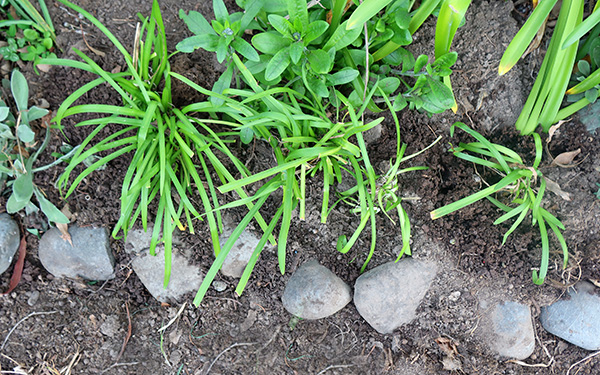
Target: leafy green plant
315,51
519,181
18,154
30,38
543,106
169,145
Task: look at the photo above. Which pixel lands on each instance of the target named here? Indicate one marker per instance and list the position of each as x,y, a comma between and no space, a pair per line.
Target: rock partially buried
577,318
388,296
90,256
508,330
314,292
9,241
185,278
240,253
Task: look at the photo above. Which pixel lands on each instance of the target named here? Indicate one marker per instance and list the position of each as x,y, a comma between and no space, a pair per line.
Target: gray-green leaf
25,134
23,187
50,210
20,90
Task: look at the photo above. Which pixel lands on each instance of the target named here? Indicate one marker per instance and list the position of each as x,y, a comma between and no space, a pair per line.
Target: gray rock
314,292
90,256
388,296
240,252
185,278
9,241
575,319
508,330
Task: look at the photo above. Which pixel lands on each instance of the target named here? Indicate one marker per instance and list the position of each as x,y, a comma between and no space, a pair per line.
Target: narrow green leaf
364,12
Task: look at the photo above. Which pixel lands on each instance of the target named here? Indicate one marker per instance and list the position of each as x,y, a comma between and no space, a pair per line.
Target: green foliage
567,49
18,154
169,144
316,51
520,182
29,38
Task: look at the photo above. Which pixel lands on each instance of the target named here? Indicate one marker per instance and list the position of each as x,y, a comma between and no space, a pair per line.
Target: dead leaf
44,67
555,188
116,69
554,128
18,270
537,40
448,347
66,210
565,159
64,229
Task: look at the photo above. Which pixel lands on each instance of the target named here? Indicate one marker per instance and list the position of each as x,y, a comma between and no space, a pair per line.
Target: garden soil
112,327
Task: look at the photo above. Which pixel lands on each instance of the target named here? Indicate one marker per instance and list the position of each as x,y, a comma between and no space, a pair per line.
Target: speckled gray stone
240,253
90,257
185,277
388,296
9,241
575,318
508,330
314,292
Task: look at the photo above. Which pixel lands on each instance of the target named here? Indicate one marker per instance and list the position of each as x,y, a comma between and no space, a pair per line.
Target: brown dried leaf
565,159
553,130
447,346
537,40
555,188
64,229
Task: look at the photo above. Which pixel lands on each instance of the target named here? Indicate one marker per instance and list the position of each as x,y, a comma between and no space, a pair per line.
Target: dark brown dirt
79,326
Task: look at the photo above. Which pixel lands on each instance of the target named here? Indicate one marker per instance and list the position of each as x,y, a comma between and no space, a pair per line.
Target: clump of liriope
525,185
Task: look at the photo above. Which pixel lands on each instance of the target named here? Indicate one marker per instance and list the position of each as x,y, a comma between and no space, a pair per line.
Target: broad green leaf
296,50
364,12
220,10
208,42
319,61
20,90
420,63
298,11
23,187
389,85
343,76
246,135
278,64
270,42
402,37
245,49
25,134
222,49
283,26
315,30
50,210
196,22
342,37
402,18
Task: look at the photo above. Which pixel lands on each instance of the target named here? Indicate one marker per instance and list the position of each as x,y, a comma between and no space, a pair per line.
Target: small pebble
454,296
219,285
33,298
